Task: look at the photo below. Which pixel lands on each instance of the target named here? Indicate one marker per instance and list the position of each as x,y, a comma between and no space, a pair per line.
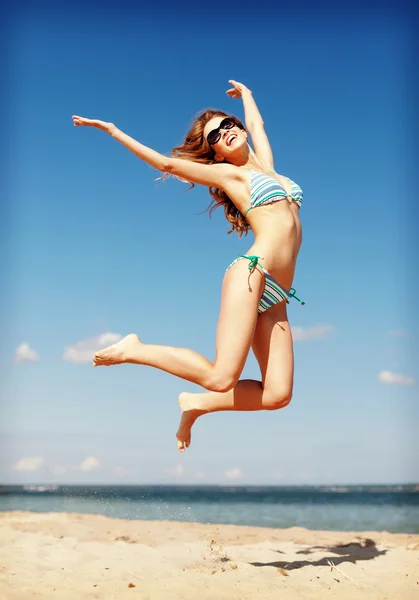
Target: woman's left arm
254,123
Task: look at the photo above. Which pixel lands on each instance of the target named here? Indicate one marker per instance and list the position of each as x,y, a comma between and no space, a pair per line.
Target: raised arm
218,175
254,123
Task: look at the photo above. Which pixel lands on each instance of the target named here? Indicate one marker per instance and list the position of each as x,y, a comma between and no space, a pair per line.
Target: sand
72,556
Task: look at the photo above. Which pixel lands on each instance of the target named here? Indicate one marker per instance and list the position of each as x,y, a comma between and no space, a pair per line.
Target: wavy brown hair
196,148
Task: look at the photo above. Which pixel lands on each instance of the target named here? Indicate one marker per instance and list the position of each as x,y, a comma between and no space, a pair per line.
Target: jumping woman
256,286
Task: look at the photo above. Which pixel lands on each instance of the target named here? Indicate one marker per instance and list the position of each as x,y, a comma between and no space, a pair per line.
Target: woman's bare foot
190,414
121,352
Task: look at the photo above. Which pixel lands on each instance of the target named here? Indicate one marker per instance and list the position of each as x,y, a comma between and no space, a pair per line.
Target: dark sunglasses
214,136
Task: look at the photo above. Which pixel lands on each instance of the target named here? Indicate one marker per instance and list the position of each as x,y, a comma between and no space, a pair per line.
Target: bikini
267,190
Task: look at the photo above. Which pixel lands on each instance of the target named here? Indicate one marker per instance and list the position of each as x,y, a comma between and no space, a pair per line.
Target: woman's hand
83,122
237,90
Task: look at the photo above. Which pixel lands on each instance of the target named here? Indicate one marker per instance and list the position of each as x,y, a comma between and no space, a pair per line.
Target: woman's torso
274,218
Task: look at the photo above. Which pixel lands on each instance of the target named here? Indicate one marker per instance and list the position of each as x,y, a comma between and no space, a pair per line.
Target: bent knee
277,399
220,382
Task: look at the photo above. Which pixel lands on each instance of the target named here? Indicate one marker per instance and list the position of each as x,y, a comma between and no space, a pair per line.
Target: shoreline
67,555
310,531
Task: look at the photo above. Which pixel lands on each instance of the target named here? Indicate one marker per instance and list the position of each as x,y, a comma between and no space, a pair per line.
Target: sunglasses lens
213,136
227,123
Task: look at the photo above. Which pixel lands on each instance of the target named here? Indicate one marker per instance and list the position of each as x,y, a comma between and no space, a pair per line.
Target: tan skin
276,227
278,237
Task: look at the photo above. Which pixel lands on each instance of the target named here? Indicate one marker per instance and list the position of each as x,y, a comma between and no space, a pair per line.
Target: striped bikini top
265,190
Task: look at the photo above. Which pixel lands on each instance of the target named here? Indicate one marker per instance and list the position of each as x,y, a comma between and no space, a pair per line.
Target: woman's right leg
240,296
273,348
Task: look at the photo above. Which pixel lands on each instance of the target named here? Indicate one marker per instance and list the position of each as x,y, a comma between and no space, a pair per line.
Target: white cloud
398,333
302,334
235,473
82,351
29,463
397,378
24,353
89,464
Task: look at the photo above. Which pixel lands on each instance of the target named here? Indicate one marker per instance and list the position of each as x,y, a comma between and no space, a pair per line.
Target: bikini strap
254,261
292,295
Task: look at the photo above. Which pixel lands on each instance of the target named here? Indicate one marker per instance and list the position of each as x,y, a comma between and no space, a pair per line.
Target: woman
256,286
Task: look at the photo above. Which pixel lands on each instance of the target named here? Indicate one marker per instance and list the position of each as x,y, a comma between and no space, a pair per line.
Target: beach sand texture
71,556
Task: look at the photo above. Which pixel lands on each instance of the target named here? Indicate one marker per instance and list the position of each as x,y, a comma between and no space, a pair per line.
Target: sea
394,509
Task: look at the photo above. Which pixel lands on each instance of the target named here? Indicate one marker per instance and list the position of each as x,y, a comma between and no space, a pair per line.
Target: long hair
196,148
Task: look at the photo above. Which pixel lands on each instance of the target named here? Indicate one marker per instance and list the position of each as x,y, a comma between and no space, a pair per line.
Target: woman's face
231,141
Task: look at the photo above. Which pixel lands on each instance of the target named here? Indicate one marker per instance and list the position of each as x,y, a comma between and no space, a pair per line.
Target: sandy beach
68,556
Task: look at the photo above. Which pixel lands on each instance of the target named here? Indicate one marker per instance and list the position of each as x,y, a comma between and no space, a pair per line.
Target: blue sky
91,234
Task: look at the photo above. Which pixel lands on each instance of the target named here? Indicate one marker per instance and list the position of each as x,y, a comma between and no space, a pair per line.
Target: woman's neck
253,162
250,161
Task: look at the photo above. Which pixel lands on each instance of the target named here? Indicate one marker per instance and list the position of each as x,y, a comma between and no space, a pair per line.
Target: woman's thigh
273,349
238,316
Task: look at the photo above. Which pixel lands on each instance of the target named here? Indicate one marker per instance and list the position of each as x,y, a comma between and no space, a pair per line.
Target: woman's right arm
210,175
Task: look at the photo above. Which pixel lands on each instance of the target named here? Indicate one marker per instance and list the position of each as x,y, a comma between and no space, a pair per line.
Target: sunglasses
214,136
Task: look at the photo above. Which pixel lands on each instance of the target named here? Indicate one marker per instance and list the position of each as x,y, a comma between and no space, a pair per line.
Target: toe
180,446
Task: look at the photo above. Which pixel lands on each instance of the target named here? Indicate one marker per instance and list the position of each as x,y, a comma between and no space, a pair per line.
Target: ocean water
356,508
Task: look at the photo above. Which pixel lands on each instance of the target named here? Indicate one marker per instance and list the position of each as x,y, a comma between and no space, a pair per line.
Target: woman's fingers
240,88
83,121
233,93
237,85
78,120
236,90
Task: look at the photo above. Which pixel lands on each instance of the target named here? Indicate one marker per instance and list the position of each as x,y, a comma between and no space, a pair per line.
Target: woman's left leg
273,348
